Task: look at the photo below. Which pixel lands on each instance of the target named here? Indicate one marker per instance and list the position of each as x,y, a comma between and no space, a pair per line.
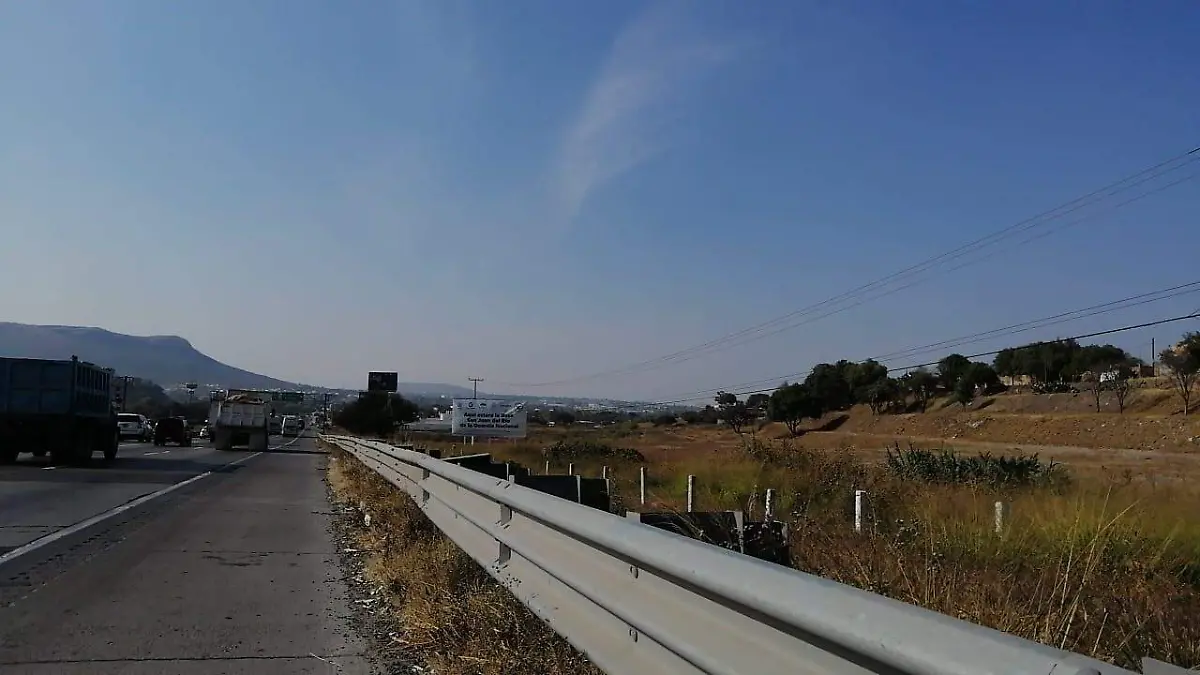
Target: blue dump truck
64,408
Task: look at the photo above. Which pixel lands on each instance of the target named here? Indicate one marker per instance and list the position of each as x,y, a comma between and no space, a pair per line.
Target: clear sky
536,190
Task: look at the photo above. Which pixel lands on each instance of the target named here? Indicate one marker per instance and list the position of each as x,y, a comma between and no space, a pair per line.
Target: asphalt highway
230,570
38,498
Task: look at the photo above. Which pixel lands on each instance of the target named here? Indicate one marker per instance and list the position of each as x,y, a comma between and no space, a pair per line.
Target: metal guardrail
638,600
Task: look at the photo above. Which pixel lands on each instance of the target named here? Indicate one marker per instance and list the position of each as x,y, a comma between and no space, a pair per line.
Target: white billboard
488,418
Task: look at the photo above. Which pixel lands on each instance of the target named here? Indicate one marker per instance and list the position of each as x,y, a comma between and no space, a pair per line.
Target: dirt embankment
1149,423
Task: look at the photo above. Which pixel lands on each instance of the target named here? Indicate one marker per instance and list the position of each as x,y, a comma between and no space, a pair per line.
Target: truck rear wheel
110,448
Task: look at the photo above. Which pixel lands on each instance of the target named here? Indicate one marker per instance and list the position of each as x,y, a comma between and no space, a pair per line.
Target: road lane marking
84,524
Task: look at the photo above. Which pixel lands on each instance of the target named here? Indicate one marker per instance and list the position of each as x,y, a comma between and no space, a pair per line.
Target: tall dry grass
456,618
1103,565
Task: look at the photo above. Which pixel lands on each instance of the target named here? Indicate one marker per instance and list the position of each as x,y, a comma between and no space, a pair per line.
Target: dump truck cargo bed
58,407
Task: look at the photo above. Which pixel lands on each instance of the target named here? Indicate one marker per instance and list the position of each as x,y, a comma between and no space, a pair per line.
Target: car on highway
173,430
291,426
132,426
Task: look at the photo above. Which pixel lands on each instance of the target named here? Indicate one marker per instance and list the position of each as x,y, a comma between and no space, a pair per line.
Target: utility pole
124,391
475,383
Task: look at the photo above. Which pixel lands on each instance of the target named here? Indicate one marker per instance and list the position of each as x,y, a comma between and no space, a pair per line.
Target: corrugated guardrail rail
638,600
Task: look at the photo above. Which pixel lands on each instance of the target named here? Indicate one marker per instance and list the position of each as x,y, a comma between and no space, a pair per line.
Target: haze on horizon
536,191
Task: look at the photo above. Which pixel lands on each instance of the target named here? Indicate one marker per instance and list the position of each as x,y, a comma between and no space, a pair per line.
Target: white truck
240,417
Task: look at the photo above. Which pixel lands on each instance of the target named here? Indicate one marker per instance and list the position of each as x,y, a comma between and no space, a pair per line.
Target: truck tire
258,442
61,456
110,448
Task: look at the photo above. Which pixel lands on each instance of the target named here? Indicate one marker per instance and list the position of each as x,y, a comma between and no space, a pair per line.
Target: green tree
791,404
828,384
862,378
562,418
963,392
952,369
922,384
881,394
757,402
376,414
1184,361
983,375
733,411
1006,363
663,420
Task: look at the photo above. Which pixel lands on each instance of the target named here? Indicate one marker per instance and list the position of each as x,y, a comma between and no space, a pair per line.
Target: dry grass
456,619
1107,565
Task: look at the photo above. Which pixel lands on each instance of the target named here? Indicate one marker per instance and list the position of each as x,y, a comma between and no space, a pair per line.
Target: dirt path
1155,461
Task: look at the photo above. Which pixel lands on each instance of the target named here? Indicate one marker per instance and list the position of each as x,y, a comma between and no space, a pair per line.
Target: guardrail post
547,467
691,493
642,480
859,498
769,506
604,472
1002,510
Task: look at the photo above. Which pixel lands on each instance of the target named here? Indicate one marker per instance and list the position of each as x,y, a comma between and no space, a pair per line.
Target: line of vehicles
66,408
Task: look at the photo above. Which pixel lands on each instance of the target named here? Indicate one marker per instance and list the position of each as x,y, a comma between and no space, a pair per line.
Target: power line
1004,331
1193,315
756,332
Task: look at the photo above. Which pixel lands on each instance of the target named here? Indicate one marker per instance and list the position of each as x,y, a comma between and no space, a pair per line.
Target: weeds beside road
1100,564
456,618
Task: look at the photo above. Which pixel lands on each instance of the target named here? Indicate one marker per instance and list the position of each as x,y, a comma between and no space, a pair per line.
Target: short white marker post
691,494
642,480
859,497
769,506
1001,516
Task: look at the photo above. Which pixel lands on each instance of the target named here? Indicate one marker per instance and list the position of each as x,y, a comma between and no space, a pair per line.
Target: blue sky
533,191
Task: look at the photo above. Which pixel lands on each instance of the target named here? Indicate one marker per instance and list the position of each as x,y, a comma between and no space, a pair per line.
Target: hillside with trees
1062,366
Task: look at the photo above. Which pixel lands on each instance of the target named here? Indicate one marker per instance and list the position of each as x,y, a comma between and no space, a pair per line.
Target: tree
1096,359
922,384
983,375
827,382
756,403
861,377
1121,385
376,414
964,392
733,411
1184,361
952,369
792,404
562,418
1006,363
881,394
663,420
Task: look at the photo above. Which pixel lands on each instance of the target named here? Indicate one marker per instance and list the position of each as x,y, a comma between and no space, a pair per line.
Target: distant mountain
163,359
166,360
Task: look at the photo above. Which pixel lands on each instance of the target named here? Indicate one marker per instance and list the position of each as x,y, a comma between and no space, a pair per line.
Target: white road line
84,524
